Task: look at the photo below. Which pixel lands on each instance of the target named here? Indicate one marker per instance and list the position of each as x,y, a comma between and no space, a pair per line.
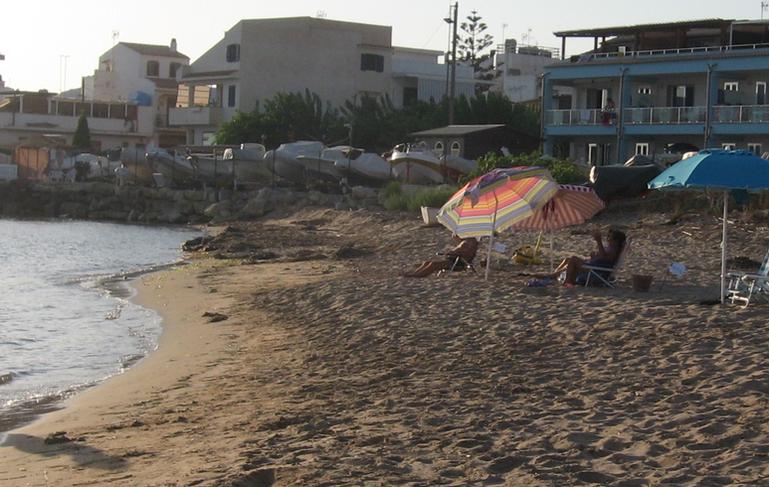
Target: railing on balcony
741,114
583,116
669,52
664,115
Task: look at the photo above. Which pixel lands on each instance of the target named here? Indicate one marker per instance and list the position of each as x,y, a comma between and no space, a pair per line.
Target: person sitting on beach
605,256
465,248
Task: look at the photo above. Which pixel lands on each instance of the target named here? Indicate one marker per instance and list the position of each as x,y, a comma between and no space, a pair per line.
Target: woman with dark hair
605,256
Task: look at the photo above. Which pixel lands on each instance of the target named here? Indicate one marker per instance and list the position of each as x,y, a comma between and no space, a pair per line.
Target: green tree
82,137
286,117
472,43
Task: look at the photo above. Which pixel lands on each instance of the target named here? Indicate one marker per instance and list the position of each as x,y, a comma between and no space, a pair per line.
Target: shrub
433,197
563,170
394,199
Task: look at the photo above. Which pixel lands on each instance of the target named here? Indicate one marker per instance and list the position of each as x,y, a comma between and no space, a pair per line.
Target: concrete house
339,61
28,115
144,74
521,69
645,88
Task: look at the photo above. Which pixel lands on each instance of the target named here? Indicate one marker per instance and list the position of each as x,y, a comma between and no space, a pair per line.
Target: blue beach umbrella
720,170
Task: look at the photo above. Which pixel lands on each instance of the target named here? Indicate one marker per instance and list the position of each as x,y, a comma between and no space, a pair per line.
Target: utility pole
453,87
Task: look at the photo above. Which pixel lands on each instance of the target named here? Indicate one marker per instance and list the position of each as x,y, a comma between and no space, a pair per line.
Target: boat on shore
285,163
360,167
415,164
248,163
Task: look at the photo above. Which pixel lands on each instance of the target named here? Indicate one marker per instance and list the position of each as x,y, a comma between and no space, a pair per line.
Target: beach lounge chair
606,276
744,286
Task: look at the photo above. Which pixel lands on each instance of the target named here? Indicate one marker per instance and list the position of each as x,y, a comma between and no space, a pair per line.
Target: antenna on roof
115,37
321,14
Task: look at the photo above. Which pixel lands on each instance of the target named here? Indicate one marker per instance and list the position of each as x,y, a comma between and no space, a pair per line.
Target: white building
417,75
144,74
25,115
338,61
521,68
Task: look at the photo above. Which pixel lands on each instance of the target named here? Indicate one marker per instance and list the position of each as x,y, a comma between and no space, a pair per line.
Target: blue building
643,88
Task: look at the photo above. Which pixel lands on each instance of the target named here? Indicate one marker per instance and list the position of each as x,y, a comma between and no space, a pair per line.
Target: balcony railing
584,116
669,52
664,115
741,114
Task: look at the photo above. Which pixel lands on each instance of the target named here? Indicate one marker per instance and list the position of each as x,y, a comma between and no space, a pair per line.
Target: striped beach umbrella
571,205
497,200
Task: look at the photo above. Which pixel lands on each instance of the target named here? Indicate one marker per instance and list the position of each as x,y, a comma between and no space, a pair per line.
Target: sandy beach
327,368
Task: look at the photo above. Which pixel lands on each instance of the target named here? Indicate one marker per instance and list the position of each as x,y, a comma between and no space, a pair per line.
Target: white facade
144,74
417,75
110,124
339,61
521,68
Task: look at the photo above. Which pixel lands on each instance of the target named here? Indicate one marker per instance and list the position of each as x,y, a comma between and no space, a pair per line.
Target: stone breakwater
100,201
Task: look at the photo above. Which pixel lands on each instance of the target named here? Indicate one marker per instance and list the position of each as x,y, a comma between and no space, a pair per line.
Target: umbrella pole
723,249
551,251
491,237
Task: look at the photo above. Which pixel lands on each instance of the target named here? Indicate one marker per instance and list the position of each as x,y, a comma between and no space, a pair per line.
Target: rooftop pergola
638,33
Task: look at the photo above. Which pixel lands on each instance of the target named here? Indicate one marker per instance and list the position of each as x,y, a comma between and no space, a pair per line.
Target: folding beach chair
607,276
459,264
743,286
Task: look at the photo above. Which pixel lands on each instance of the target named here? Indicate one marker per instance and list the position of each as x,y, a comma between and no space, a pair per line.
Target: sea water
66,319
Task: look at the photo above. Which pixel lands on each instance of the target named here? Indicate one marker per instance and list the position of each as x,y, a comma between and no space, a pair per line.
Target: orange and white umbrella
571,205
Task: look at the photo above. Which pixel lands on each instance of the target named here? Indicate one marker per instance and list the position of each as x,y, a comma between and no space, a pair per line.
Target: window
456,149
182,96
642,149
233,53
755,149
438,148
372,62
410,95
729,146
645,90
761,93
680,96
592,154
153,68
231,91
172,69
732,86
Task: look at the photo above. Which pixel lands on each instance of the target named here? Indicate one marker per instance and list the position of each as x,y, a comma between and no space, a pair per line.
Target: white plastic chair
744,286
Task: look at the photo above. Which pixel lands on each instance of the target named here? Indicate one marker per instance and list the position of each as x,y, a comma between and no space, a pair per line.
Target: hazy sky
38,37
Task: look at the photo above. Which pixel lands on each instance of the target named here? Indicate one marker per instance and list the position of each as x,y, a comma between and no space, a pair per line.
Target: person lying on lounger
465,248
605,256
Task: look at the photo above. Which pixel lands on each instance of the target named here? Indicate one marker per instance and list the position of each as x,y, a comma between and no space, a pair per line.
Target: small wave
129,360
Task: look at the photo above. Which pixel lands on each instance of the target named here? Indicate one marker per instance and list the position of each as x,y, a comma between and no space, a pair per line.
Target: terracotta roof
154,50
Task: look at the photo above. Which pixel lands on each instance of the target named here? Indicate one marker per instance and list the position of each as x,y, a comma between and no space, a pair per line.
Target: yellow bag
528,255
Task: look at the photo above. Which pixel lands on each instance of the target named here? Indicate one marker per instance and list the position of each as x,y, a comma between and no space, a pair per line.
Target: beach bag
528,255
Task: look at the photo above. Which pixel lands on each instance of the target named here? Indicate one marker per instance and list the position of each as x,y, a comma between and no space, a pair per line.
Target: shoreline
119,286
166,292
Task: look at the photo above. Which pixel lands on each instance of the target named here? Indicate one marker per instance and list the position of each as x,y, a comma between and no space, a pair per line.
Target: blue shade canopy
716,169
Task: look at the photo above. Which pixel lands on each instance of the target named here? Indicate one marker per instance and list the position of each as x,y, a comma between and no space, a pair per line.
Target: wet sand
331,370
